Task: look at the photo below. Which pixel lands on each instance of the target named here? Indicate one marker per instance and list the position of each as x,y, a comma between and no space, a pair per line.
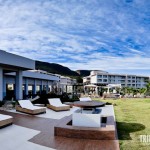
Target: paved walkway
45,136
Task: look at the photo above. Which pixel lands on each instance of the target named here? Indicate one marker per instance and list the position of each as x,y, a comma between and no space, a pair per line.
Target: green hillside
56,69
83,73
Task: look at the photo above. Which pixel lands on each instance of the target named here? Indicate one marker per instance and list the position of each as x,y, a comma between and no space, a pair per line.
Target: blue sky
111,35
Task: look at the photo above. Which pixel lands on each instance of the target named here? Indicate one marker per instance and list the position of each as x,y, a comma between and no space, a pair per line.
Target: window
105,80
99,80
104,76
122,77
99,76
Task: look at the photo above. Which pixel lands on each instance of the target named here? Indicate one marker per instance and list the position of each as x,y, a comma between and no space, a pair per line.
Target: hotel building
18,77
105,78
66,82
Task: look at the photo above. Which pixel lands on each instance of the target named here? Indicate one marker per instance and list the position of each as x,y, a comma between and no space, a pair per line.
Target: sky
110,35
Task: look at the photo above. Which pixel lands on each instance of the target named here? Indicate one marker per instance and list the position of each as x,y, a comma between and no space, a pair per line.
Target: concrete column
26,87
34,87
47,88
108,90
18,85
41,87
4,87
96,90
1,84
50,88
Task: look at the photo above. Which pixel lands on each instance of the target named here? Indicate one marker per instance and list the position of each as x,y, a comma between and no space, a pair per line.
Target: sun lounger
5,120
56,104
34,99
27,107
85,99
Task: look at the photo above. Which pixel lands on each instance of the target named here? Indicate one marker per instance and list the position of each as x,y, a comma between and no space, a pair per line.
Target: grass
133,120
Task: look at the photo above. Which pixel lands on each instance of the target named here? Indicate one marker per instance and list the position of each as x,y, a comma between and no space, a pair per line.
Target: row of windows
104,80
100,76
122,77
113,80
119,81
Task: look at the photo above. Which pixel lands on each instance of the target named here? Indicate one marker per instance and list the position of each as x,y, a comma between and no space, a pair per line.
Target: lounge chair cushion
56,102
4,117
28,105
5,120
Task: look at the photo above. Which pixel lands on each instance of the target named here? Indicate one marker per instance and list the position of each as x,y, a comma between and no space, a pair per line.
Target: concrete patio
37,132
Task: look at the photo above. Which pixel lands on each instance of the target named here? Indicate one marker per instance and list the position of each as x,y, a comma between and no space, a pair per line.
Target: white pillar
96,90
19,85
108,90
1,84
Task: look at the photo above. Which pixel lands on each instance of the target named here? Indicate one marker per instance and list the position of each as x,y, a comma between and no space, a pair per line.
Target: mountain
55,68
83,73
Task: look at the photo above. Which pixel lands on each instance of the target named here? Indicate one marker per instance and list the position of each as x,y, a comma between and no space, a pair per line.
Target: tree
79,80
147,91
142,90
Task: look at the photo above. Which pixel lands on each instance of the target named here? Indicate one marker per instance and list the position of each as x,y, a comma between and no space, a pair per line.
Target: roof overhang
90,85
9,60
114,85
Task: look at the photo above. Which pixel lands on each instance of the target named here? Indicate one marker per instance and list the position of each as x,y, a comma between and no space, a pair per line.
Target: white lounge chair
35,98
56,104
85,99
5,120
27,107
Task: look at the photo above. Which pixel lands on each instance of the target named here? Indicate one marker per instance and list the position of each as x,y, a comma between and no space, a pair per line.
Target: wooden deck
46,136
105,132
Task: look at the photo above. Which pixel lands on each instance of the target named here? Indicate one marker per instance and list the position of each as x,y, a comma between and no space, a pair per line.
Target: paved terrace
37,133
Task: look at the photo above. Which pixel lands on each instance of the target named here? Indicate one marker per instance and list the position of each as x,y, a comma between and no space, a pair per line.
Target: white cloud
80,34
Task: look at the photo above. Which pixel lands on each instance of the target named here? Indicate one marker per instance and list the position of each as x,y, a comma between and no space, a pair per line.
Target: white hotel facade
66,82
18,74
105,78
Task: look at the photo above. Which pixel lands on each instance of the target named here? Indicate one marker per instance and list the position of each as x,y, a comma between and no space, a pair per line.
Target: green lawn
133,120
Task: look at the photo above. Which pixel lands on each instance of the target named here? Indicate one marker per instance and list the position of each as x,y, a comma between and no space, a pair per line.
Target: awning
91,85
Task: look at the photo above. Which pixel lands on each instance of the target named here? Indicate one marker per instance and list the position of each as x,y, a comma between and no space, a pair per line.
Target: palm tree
142,90
147,92
123,90
129,90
